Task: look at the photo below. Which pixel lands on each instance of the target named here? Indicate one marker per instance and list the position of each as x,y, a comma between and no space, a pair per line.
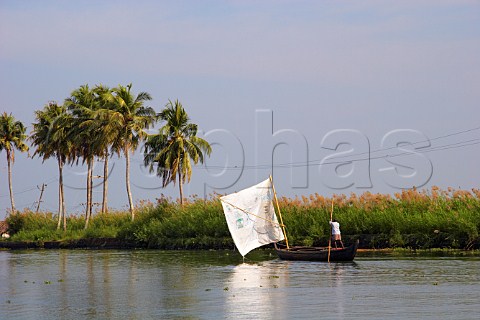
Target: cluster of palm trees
96,123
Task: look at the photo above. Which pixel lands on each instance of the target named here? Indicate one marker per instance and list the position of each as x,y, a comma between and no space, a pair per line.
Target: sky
331,97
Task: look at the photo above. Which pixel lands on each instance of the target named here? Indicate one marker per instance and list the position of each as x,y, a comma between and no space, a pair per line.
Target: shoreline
115,244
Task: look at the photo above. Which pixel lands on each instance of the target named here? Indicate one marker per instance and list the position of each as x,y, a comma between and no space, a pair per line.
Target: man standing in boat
336,236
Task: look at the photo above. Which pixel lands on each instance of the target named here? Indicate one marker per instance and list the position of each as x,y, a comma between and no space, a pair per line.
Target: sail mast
279,213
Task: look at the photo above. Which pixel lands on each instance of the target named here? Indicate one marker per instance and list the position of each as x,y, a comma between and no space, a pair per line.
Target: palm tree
109,130
82,103
49,135
173,147
95,120
12,136
130,117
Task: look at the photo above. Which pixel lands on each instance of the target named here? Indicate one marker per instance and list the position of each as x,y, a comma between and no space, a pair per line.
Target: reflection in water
146,284
337,272
63,287
254,290
107,282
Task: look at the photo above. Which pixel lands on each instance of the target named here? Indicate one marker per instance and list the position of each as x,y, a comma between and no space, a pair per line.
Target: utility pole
41,194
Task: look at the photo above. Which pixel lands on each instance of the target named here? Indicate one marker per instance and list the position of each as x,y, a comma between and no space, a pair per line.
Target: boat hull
316,253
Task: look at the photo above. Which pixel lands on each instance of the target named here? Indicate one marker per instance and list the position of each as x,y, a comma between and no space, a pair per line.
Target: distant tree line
99,122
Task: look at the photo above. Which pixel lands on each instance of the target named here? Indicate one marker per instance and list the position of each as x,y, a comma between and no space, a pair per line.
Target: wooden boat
316,253
252,222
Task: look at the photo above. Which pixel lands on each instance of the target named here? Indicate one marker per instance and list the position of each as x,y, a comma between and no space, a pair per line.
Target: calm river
78,284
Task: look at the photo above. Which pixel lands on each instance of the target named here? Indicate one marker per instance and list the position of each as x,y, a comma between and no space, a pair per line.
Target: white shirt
335,227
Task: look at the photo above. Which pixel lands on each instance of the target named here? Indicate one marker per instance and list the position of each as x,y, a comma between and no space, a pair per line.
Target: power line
27,190
318,162
19,192
459,144
369,153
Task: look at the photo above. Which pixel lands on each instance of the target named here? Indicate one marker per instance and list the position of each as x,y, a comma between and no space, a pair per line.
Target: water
82,284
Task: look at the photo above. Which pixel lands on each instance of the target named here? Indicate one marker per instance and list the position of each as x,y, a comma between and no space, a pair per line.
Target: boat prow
316,253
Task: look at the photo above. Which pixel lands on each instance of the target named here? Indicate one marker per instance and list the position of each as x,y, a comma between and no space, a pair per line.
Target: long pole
279,213
330,238
40,198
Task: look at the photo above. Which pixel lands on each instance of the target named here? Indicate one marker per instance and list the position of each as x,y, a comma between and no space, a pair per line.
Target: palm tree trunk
180,186
105,183
127,178
64,212
87,205
60,212
88,210
10,180
88,195
60,209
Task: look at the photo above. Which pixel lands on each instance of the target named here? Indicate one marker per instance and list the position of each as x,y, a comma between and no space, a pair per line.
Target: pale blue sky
363,74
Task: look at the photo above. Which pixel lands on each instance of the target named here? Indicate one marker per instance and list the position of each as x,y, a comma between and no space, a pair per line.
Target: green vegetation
410,219
413,219
95,123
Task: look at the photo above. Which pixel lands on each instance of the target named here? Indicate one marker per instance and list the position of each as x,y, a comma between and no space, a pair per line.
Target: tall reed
411,218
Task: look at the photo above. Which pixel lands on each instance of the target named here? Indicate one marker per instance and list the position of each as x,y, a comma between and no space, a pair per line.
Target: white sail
251,217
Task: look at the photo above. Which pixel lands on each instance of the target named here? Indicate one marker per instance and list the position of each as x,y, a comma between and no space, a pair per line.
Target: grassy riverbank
410,219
